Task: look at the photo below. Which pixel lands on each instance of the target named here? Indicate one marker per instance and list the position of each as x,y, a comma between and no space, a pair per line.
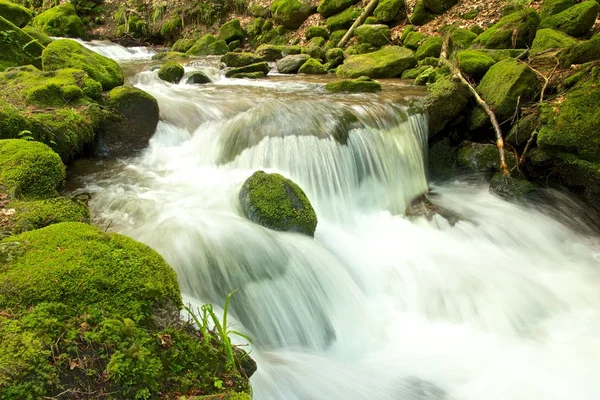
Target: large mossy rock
138,117
582,52
475,63
261,68
81,309
183,45
388,10
329,7
575,21
30,215
421,15
312,66
292,63
478,157
291,13
377,34
413,39
30,170
461,39
550,39
231,30
439,6
208,45
17,47
516,30
343,20
553,7
15,13
513,188
67,53
363,84
431,47
276,202
314,48
171,72
240,59
61,21
388,62
316,31
335,57
38,35
446,99
269,52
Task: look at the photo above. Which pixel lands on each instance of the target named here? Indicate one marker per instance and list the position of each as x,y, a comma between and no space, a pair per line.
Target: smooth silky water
504,304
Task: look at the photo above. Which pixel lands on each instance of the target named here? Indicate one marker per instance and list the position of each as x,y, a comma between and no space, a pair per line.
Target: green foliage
171,72
60,21
16,47
30,170
15,13
388,62
172,27
362,84
329,7
344,19
291,13
575,21
516,30
66,53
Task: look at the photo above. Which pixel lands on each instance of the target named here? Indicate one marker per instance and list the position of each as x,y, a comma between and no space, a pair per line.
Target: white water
503,305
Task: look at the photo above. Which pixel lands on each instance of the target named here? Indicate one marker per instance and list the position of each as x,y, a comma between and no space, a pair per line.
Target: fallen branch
499,139
367,11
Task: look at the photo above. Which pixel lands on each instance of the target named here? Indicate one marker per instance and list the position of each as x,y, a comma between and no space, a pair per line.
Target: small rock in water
198,78
423,207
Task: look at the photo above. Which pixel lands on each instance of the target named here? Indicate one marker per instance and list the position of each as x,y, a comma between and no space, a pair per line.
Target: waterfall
504,304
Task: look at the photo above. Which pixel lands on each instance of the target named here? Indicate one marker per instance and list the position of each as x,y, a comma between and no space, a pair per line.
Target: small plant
222,330
26,135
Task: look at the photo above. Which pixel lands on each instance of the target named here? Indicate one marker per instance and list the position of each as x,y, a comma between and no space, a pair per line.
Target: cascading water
504,304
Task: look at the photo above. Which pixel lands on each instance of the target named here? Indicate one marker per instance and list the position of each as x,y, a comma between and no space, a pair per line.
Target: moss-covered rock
329,7
520,132
358,85
446,98
314,48
171,72
376,35
421,15
553,7
478,157
506,84
515,30
169,55
30,215
30,170
16,47
513,188
334,57
388,10
38,35
15,13
428,76
292,63
312,66
431,47
208,45
344,19
413,39
439,6
183,45
260,67
413,72
231,30
248,75
581,53
276,202
291,13
475,63
66,53
388,62
575,21
316,31
336,36
259,11
62,21
240,59
550,39
269,52
461,39
197,78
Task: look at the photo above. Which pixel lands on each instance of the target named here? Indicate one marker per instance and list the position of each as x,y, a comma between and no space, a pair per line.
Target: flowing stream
504,304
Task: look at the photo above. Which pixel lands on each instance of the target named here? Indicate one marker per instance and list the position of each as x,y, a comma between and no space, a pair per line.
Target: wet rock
171,72
334,57
198,78
362,84
312,66
292,63
240,59
512,188
269,52
260,67
388,62
423,207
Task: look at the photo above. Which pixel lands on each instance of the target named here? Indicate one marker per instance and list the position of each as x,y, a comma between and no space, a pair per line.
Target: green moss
516,30
15,13
231,30
30,170
553,7
575,21
388,10
475,63
439,6
254,27
278,203
240,59
16,47
376,35
478,157
60,21
248,75
512,189
446,99
171,72
171,55
414,39
385,63
413,72
30,215
183,45
363,84
581,53
461,39
314,48
66,53
316,31
269,52
261,67
550,39
38,35
137,27
334,57
208,45
336,36
344,19
259,11
476,29
428,76
431,47
329,7
471,14
291,13
312,66
421,15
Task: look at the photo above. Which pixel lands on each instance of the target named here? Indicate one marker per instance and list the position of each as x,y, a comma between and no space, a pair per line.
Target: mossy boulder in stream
15,13
575,21
67,53
291,13
312,66
171,72
16,47
292,63
62,21
30,170
516,30
362,84
138,117
208,45
276,202
388,62
334,57
376,34
183,45
260,67
240,59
